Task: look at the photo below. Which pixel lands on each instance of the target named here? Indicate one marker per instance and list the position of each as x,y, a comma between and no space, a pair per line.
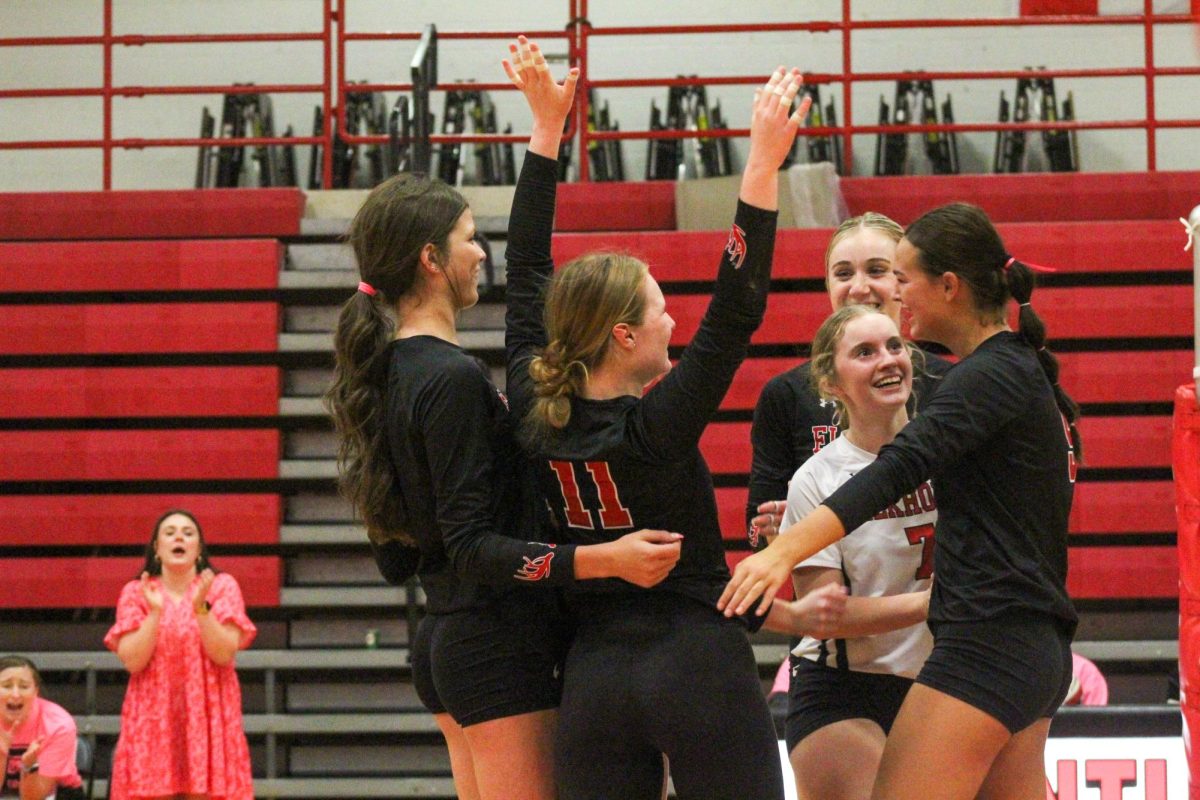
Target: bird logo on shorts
534,569
736,246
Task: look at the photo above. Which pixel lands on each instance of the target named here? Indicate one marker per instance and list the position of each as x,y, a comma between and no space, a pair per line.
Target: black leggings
663,674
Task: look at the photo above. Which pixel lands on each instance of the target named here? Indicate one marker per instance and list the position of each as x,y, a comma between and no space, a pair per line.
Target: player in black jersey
650,673
429,459
997,440
791,423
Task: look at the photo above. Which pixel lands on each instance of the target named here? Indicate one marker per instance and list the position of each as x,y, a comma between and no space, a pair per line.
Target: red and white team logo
503,399
736,246
535,569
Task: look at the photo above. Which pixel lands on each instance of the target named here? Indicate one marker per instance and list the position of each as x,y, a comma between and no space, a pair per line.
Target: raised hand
151,592
200,598
549,101
773,124
646,557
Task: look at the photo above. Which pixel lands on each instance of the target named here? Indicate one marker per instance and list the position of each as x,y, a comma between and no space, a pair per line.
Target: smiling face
872,367
462,261
18,690
859,270
177,543
653,335
921,295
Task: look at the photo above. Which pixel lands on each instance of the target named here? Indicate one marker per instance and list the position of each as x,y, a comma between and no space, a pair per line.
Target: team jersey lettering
577,515
823,435
1072,464
535,569
612,513
922,535
912,504
736,246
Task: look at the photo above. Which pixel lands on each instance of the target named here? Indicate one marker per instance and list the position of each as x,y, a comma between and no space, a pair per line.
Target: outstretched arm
549,101
771,141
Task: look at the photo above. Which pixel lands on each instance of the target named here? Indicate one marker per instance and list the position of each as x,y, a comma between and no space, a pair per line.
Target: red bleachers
190,214
615,206
139,392
125,519
196,246
1085,196
71,582
124,455
1069,247
43,267
139,328
1109,442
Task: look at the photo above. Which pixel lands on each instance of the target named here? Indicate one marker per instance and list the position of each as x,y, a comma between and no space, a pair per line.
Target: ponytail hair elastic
366,288
1035,267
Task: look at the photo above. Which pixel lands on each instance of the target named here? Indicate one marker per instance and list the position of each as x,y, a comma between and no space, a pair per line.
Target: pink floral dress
181,725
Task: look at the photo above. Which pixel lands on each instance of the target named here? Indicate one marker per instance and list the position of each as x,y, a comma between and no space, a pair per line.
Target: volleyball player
429,457
848,680
791,422
649,673
997,439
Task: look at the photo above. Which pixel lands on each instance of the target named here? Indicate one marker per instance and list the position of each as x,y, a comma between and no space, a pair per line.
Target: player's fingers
801,113
512,74
773,81
539,60
571,79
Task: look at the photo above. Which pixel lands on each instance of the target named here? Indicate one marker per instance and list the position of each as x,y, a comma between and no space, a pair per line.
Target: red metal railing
336,34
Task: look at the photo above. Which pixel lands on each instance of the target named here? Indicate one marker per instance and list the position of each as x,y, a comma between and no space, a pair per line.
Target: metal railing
336,35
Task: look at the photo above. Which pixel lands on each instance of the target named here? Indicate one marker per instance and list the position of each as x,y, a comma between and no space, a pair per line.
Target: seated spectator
1088,687
37,737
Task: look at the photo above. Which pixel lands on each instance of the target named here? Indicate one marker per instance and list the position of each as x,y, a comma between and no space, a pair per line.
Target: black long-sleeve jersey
465,484
628,462
999,453
792,422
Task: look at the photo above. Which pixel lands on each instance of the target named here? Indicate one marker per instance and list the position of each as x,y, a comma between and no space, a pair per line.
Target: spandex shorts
501,660
657,674
819,695
1016,668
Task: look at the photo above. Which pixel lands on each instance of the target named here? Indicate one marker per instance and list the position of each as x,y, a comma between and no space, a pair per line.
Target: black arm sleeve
675,412
975,400
772,463
463,467
530,265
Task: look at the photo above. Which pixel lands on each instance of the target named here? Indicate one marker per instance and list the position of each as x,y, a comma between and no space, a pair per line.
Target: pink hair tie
366,288
1035,267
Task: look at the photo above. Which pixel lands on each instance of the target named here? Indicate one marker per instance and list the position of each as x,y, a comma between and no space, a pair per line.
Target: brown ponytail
398,219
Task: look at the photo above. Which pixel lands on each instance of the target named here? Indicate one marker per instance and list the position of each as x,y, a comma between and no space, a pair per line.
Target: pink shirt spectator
181,724
55,727
1088,687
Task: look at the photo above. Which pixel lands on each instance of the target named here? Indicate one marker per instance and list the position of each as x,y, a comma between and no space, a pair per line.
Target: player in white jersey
849,680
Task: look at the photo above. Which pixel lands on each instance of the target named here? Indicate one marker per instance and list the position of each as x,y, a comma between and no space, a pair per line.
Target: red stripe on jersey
577,515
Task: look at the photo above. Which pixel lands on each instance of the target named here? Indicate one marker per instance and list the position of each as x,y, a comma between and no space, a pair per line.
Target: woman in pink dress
178,629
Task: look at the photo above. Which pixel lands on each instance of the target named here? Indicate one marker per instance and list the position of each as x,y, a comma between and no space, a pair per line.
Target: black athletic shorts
1016,668
819,695
497,661
658,673
419,657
